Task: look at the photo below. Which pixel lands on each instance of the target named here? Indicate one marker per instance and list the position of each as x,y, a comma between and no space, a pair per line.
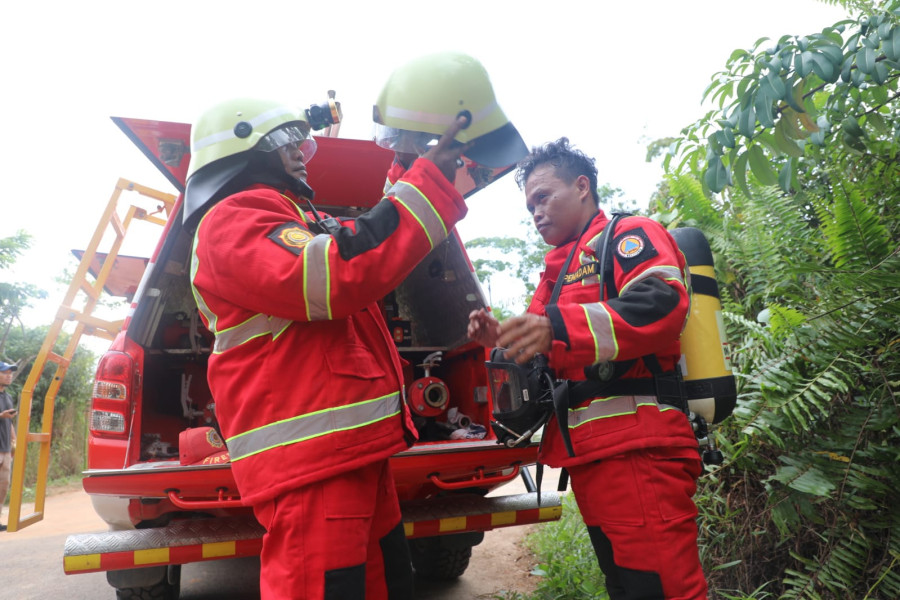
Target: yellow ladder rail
85,324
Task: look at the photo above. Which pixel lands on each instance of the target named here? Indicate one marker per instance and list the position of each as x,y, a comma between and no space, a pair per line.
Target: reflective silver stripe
211,320
663,272
419,116
317,278
313,425
253,327
228,134
600,323
603,408
421,209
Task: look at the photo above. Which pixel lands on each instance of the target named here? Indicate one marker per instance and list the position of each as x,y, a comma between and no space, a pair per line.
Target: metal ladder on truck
89,288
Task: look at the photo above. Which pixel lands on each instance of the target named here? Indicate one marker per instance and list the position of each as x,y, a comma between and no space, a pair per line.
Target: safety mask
522,395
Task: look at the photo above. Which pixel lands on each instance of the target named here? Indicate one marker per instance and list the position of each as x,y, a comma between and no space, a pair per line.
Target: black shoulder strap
561,393
607,269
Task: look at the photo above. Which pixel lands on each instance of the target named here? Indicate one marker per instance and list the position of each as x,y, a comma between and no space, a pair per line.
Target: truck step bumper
197,540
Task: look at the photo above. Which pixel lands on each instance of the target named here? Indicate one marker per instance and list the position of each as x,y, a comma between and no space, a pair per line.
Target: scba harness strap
604,379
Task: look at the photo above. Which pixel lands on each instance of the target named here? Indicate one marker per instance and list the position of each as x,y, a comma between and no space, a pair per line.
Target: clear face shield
290,136
404,141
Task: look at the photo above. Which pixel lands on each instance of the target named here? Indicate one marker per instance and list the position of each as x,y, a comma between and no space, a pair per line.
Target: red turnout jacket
647,317
305,375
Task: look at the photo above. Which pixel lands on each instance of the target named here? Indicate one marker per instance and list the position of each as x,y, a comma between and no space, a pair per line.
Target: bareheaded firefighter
606,316
306,377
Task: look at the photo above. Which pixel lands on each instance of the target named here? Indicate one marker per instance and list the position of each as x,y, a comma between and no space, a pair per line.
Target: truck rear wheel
443,558
167,589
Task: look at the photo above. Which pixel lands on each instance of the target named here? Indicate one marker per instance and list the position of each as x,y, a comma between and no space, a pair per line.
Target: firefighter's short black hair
569,163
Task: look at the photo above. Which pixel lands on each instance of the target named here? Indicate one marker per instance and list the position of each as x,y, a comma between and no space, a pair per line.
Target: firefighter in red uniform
306,377
627,444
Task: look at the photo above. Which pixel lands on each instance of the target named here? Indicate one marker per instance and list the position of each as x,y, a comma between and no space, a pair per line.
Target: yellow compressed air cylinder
705,352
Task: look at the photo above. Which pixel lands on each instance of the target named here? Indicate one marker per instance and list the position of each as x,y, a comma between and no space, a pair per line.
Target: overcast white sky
609,75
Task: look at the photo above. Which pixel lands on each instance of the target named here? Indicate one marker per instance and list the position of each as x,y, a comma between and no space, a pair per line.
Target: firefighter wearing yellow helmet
239,140
423,97
307,381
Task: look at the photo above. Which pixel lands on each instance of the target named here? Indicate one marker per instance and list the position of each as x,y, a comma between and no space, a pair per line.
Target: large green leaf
833,53
891,44
716,176
823,67
865,59
785,176
764,113
880,73
851,127
783,142
747,122
776,84
760,167
739,172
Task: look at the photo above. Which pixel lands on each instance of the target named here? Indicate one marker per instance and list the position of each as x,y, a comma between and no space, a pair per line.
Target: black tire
169,589
435,559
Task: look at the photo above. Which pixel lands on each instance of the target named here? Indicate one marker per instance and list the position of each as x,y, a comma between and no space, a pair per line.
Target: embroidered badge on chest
292,236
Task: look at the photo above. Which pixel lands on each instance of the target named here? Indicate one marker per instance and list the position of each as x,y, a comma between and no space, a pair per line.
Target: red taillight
111,402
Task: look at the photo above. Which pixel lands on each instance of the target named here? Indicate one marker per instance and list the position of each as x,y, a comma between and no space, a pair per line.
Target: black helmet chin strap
328,225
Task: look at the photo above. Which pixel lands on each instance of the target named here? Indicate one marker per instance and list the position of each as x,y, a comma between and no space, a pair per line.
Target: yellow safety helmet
423,97
222,139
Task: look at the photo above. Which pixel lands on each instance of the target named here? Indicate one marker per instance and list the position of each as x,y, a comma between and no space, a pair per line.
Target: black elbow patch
372,229
646,302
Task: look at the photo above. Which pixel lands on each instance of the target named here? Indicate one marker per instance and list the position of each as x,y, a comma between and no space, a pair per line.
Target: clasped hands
523,336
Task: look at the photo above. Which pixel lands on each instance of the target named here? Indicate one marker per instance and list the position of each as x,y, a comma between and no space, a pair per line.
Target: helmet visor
403,140
292,134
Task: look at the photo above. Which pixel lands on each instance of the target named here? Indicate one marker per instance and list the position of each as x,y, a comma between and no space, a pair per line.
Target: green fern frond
853,231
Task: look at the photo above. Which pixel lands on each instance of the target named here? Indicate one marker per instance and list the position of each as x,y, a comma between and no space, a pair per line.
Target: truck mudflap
195,540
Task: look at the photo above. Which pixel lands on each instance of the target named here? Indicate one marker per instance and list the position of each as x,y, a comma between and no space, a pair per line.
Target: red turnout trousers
640,515
338,539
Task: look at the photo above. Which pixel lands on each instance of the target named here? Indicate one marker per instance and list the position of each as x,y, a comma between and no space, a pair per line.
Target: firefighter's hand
483,328
524,336
446,153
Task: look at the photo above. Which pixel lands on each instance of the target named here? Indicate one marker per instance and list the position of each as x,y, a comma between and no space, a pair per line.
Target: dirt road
34,555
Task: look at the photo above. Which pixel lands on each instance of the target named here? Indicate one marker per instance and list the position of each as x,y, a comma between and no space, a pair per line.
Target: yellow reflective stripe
603,408
663,272
254,327
211,319
600,324
421,209
317,278
313,425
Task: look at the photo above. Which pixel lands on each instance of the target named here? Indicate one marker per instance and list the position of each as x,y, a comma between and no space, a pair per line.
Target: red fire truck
151,385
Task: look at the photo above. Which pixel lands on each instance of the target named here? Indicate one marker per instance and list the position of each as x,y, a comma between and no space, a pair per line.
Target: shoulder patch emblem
633,247
292,236
630,246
